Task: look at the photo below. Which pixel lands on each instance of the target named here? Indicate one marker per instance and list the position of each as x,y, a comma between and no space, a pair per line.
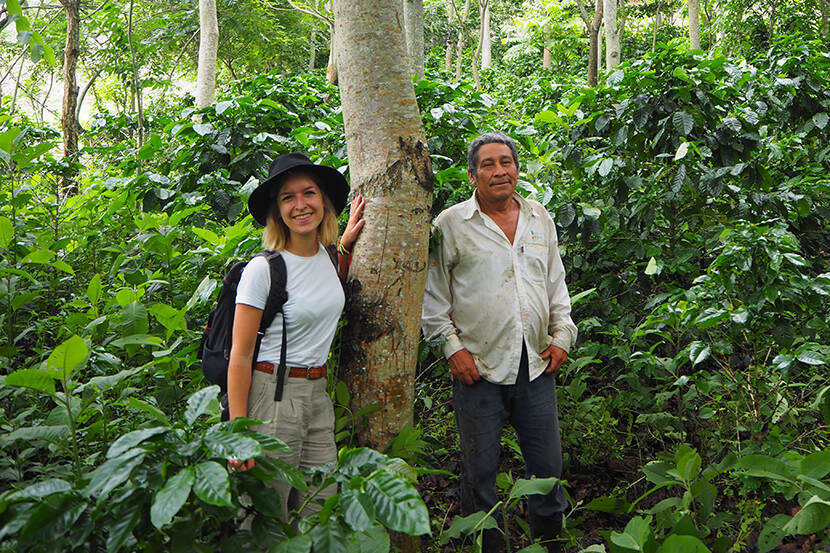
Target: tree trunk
825,19
546,55
658,22
413,17
612,35
459,46
208,46
482,8
694,24
448,53
390,166
136,81
486,55
69,121
331,67
312,49
593,45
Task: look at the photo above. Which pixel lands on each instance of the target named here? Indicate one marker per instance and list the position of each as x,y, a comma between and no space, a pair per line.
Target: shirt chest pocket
533,258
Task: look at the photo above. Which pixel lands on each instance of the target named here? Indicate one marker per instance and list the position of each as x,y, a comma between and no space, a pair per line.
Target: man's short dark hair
489,138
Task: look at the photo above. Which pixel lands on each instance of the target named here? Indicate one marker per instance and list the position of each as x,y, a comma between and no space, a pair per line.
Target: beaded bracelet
342,249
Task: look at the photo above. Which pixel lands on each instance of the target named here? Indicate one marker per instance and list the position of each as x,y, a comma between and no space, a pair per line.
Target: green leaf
203,128
63,266
199,403
651,268
50,433
772,534
138,340
682,150
711,317
534,486
35,379
605,167
811,358
358,509
93,289
125,517
229,445
606,504
52,519
820,120
41,256
698,352
764,466
67,357
625,541
169,317
221,107
683,122
14,7
6,231
132,439
398,504
297,544
212,484
683,544
814,517
207,235
467,525
133,319
170,499
40,490
113,473
149,409
816,464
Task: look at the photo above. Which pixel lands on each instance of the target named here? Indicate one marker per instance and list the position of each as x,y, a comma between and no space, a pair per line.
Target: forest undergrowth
692,201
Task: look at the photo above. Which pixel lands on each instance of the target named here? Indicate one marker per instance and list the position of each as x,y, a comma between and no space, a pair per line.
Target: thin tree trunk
413,16
459,46
482,8
612,35
448,53
546,54
136,82
69,122
658,22
486,54
592,27
312,47
825,18
208,46
694,24
331,67
390,166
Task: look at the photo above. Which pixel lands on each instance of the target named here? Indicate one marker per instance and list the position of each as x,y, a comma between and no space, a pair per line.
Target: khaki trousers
304,420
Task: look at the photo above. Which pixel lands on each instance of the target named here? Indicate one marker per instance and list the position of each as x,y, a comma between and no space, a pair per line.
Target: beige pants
304,420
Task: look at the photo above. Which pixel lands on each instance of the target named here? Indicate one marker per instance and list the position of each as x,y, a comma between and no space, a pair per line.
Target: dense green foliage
691,196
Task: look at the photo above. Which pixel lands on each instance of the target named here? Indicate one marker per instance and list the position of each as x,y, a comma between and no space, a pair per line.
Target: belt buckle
308,373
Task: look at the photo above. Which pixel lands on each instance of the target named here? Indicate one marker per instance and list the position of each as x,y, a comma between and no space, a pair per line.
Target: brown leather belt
311,373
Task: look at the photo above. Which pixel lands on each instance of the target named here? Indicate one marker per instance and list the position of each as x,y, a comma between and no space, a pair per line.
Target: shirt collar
472,206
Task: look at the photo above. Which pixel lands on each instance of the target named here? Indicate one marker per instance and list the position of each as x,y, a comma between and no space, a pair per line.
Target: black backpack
215,347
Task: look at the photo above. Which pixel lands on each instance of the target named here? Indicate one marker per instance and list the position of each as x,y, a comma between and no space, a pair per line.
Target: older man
496,293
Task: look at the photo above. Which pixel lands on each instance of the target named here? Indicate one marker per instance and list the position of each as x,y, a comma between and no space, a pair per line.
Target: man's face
496,173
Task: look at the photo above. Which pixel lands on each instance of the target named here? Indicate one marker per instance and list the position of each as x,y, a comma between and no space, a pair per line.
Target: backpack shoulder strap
332,250
277,295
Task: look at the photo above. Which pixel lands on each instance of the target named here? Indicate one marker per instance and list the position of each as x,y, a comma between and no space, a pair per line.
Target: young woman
298,205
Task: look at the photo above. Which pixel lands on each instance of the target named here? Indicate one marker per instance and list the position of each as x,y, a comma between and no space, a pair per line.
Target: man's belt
311,373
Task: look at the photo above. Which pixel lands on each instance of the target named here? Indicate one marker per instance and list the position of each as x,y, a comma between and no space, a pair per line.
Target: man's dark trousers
481,410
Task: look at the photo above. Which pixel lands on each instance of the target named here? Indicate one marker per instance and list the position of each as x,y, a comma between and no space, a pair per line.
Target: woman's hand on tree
355,224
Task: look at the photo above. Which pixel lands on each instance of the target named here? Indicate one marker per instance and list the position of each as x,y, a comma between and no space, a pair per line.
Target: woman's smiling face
301,205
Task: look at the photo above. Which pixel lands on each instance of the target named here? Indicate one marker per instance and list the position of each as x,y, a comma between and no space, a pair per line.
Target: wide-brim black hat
330,181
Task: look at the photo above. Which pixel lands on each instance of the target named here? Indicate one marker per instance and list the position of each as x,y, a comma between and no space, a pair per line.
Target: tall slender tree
69,119
694,24
390,166
592,25
612,34
208,47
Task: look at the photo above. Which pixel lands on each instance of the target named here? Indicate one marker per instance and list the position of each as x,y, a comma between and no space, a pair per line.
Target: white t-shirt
315,301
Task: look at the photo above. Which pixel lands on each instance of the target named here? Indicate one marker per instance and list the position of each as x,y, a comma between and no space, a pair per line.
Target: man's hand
240,466
463,367
555,356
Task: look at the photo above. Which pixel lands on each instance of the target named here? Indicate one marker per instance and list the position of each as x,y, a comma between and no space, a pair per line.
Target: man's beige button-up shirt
486,295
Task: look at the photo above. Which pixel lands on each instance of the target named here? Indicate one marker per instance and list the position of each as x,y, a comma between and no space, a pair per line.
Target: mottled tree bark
414,25
612,34
451,17
459,46
390,166
694,24
208,47
825,19
486,38
69,119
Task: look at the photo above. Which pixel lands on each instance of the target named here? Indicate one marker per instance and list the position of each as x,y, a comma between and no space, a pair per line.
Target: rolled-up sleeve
435,315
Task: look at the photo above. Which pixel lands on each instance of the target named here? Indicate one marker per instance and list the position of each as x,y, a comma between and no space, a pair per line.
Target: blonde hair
276,233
